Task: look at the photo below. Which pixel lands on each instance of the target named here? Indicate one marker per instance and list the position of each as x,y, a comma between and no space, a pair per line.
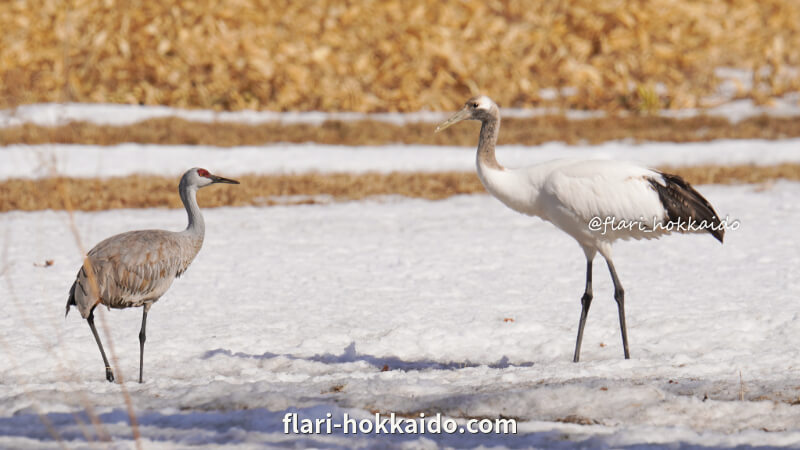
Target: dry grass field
267,190
395,55
531,131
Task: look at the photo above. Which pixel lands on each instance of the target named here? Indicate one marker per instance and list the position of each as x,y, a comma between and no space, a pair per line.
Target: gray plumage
136,268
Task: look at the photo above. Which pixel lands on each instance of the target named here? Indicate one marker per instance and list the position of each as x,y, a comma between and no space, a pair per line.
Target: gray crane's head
480,108
198,177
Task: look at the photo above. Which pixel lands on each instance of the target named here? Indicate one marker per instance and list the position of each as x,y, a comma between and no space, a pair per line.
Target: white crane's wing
639,202
606,189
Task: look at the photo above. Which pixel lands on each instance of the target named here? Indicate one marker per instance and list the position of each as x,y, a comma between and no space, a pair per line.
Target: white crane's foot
109,375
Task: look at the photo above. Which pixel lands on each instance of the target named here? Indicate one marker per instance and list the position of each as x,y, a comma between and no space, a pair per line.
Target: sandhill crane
584,197
136,268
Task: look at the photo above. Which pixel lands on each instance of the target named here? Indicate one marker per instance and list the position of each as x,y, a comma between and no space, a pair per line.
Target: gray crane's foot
109,375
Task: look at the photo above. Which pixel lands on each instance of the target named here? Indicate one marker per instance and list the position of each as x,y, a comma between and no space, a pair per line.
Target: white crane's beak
463,114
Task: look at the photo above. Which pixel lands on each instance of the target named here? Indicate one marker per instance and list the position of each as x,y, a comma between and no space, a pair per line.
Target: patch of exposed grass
530,131
267,190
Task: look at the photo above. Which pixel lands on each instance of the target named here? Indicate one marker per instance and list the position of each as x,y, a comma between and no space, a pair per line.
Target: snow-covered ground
23,161
52,114
472,308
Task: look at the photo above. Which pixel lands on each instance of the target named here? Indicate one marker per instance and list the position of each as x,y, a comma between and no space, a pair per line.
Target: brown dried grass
267,190
389,55
532,131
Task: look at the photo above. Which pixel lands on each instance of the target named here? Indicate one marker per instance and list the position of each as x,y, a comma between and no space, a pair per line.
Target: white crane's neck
490,172
490,128
197,226
516,188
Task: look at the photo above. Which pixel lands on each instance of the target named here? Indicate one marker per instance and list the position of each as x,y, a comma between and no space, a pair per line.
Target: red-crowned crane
136,268
584,197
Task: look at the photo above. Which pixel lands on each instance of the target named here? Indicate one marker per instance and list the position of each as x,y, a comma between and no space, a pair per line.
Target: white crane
595,201
136,268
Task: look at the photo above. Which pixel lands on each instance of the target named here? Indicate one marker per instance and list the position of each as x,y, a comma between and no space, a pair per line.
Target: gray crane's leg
142,338
109,373
586,301
619,296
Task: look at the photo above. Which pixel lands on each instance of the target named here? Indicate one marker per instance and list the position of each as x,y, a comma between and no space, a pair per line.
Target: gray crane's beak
216,179
465,113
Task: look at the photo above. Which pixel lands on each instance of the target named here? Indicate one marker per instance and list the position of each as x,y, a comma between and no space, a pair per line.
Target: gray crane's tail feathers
71,299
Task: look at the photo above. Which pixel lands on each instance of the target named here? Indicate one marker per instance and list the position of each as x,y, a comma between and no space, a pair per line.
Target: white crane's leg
619,296
142,338
586,301
109,373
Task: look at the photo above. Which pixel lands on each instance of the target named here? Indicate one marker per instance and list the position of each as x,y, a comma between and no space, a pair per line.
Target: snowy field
459,307
298,309
51,114
24,161
37,161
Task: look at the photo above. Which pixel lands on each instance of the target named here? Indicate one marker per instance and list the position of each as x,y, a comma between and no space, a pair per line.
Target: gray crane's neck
490,127
197,227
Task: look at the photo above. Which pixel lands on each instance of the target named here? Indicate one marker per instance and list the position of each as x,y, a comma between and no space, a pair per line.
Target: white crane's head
198,177
480,108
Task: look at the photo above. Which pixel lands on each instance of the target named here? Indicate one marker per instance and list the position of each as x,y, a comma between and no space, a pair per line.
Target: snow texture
53,114
23,161
472,308
460,307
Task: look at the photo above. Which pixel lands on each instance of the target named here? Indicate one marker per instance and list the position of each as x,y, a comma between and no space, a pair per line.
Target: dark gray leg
109,373
619,296
142,338
586,301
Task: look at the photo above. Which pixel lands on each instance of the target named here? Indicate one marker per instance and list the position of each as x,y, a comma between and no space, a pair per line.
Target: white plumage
136,268
629,201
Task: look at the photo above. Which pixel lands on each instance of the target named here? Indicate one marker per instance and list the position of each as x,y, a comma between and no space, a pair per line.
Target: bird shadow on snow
350,355
261,426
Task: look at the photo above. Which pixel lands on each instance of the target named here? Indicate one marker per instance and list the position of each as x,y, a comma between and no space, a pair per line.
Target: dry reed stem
402,55
11,358
532,131
31,327
266,190
48,425
63,189
742,388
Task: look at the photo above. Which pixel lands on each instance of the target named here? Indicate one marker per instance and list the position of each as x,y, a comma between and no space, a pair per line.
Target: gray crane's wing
129,269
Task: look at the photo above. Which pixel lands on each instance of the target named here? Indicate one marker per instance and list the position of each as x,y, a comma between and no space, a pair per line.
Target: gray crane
136,268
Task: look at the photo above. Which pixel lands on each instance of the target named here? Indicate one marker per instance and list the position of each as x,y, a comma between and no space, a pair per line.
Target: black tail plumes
685,205
71,298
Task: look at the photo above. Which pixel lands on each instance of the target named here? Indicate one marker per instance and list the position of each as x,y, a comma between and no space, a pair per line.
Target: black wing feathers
71,298
684,204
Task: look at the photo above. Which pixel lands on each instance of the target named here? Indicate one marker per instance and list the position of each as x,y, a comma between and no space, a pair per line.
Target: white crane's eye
475,105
